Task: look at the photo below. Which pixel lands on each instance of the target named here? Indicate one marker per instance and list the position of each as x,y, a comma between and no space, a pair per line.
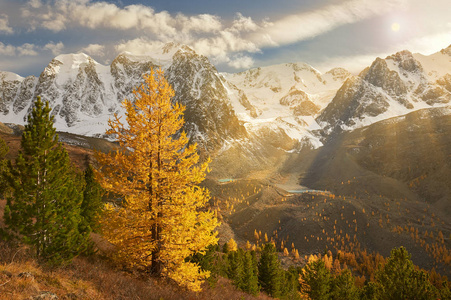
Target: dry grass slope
93,278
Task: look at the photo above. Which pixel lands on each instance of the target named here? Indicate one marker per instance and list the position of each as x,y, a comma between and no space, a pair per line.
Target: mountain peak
447,50
339,73
173,47
65,66
73,60
9,76
160,54
406,61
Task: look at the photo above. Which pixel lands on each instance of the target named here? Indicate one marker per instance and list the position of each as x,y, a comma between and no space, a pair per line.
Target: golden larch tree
162,219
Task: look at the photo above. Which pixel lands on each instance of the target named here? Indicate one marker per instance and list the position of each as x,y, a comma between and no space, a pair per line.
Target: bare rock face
381,76
300,103
356,98
15,92
392,86
209,115
445,82
446,51
127,73
8,92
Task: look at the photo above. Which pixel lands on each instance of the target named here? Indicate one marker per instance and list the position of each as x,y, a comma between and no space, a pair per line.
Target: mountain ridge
294,99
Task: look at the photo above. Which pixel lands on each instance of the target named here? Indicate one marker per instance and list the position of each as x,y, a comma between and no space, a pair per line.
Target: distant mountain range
294,100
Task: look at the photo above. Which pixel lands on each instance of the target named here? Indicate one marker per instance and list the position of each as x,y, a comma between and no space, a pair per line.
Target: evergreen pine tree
225,265
250,274
315,280
269,275
289,284
398,279
209,261
236,268
225,248
92,204
343,287
445,291
44,206
3,163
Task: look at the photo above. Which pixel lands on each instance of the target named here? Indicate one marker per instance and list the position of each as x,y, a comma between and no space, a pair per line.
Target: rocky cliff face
393,86
15,92
209,114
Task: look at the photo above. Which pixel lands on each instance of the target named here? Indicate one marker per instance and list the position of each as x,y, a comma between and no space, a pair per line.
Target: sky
235,34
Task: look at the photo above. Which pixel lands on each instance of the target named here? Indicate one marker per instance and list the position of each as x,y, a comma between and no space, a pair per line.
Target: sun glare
395,27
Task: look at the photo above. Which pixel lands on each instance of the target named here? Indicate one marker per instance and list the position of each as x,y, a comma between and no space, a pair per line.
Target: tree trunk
155,268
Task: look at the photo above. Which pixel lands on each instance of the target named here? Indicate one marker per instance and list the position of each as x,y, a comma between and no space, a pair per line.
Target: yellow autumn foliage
162,218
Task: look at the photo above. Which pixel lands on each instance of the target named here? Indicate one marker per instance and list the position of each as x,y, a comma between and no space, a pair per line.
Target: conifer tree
236,268
269,274
46,192
290,283
250,274
343,287
315,280
162,219
225,248
398,279
92,204
3,163
209,261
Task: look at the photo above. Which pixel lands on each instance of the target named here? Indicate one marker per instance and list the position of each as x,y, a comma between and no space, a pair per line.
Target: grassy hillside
94,278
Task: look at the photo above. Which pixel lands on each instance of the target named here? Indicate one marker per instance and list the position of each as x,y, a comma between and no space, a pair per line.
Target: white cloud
201,23
55,48
139,46
4,27
241,62
299,27
54,22
23,50
27,50
205,33
35,3
60,14
243,24
8,50
94,49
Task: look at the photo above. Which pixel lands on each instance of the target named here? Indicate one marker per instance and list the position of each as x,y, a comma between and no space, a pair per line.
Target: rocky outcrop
300,103
209,115
392,86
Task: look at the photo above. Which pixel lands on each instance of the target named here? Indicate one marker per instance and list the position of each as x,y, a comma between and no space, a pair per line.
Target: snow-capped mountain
286,96
390,87
85,94
274,104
